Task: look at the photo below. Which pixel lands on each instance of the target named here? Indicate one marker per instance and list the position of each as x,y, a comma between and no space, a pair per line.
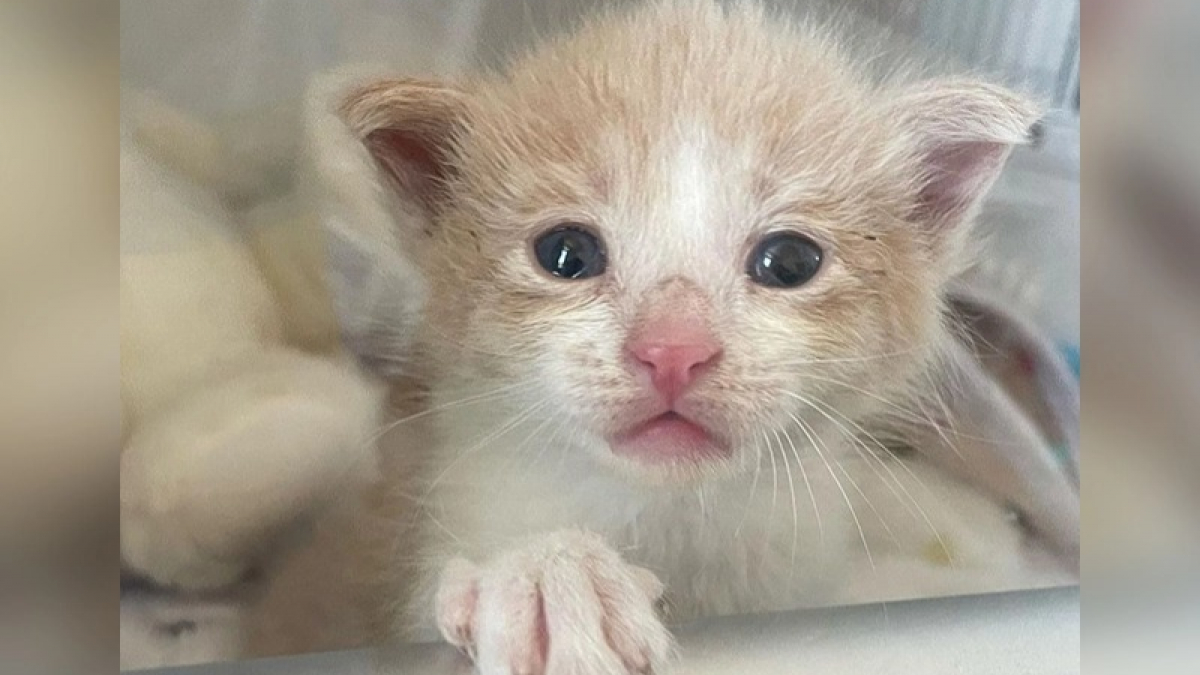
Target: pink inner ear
413,165
958,176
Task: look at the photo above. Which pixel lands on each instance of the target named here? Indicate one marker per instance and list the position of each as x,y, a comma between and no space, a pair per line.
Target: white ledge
1031,632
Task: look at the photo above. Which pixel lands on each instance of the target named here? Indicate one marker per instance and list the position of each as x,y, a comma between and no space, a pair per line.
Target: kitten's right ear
378,153
408,127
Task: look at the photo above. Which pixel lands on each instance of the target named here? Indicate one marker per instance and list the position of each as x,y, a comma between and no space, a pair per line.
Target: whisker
462,345
862,535
484,396
859,447
921,417
521,446
855,359
504,429
884,452
895,482
433,519
774,482
812,495
563,450
950,427
908,414
753,490
552,440
520,453
795,510
870,505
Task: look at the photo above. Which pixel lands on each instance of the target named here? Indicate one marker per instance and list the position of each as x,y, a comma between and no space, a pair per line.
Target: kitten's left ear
407,126
964,131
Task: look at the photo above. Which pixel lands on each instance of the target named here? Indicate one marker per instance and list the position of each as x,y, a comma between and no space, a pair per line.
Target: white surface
1032,633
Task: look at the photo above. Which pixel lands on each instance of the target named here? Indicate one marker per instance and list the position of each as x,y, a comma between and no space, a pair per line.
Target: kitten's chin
672,439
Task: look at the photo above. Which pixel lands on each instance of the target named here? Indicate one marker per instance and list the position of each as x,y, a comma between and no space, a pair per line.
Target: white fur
724,547
692,174
231,433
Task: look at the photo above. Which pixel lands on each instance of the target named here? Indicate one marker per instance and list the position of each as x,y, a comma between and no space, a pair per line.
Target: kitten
677,262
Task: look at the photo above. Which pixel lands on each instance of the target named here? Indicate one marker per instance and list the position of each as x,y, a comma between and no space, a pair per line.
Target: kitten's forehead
680,137
626,91
615,134
687,207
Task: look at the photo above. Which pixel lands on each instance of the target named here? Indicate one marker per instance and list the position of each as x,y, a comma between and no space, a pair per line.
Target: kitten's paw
563,604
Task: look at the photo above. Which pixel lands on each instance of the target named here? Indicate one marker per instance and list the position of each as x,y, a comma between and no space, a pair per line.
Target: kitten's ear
964,131
408,126
379,151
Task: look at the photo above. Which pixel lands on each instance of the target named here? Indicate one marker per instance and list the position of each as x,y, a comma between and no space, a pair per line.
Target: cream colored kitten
676,263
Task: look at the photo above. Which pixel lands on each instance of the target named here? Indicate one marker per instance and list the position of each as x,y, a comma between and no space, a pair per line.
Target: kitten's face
689,246
662,230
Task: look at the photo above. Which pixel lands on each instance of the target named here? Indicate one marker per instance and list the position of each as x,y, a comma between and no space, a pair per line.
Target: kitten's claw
563,604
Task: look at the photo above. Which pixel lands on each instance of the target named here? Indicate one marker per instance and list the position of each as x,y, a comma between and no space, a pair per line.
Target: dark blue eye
570,252
784,260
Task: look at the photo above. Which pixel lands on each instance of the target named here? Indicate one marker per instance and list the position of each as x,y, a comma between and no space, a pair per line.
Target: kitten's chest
727,551
719,549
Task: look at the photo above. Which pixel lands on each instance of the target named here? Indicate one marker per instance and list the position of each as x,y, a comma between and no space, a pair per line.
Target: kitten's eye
784,260
570,252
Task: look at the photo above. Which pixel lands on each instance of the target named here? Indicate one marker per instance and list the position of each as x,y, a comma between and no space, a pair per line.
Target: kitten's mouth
669,437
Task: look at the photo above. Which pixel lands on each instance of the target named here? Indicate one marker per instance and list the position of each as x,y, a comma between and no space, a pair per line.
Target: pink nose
674,366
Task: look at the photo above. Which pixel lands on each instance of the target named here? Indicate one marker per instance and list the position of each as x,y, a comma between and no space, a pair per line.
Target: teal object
1071,352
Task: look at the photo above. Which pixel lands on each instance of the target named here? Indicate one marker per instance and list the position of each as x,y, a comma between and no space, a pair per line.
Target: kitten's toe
512,636
563,604
455,604
627,596
567,605
577,624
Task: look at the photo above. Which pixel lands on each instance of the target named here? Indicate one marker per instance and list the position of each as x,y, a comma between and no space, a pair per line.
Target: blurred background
241,66
59,367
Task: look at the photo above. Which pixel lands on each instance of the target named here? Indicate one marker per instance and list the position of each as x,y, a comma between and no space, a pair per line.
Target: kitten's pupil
784,260
569,252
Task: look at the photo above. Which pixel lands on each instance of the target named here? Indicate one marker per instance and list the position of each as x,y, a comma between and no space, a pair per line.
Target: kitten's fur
682,132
